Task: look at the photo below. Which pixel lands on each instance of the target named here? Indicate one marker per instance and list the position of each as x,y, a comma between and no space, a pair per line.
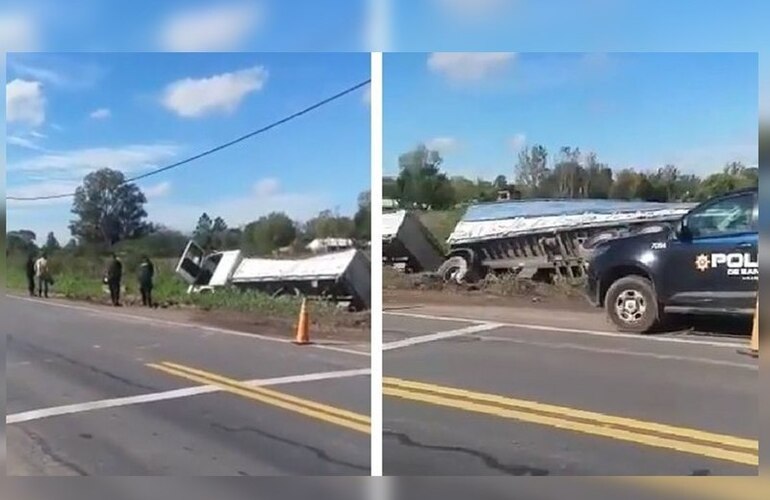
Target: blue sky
191,25
70,114
639,110
585,25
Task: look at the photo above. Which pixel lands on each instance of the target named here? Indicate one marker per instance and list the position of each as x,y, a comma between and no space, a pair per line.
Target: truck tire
632,305
455,269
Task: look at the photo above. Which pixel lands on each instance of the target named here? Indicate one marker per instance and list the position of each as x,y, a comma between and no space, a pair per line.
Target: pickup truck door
190,264
716,267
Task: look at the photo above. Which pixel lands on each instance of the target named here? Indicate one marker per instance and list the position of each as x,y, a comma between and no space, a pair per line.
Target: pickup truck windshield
729,216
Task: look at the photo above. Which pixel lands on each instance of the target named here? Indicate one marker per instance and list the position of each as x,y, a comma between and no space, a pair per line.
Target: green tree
624,186
219,225
390,189
532,170
204,231
108,209
20,242
328,224
362,220
734,176
569,176
598,178
51,243
268,233
500,182
465,190
420,181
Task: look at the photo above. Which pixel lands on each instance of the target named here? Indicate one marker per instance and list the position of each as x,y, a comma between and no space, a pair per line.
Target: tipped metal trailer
343,277
545,239
407,243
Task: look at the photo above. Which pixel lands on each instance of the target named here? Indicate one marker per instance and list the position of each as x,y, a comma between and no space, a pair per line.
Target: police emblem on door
702,262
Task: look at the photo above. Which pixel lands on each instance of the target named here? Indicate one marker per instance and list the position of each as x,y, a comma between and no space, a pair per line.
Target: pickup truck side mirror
683,232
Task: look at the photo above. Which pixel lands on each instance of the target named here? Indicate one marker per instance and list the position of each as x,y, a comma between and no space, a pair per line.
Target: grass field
79,278
441,223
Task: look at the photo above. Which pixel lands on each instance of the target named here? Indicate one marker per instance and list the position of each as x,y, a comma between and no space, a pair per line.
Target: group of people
113,278
39,278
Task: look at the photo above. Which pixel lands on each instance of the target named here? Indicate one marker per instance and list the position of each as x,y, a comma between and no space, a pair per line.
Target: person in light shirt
41,275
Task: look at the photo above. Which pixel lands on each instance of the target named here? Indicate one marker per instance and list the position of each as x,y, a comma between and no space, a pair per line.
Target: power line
214,149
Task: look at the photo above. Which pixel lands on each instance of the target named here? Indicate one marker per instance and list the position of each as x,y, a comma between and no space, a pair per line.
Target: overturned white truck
342,277
543,239
535,239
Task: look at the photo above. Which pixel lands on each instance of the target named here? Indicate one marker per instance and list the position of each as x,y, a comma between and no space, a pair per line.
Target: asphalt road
555,394
408,488
102,392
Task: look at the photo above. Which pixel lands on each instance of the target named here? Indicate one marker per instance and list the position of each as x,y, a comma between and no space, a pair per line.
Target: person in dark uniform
146,274
114,277
30,270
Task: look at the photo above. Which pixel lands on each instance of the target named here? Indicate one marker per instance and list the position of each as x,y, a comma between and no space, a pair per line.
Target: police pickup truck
707,263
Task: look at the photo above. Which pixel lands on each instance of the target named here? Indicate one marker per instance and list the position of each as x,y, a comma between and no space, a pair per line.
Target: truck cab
203,272
707,263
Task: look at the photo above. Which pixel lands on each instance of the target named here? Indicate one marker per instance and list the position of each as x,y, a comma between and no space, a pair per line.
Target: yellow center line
272,393
326,413
693,441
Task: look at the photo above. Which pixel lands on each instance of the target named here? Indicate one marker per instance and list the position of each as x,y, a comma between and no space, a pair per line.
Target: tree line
420,182
109,214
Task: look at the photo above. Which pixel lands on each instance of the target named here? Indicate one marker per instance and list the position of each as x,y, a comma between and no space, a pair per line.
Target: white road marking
176,324
408,342
595,333
56,411
624,352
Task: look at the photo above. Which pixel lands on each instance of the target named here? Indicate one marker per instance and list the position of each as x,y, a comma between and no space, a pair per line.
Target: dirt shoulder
345,327
556,311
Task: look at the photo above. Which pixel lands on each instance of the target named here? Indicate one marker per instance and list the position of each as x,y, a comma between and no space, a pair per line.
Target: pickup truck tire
632,305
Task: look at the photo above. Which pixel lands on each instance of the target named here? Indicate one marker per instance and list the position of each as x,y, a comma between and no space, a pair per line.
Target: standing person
146,273
41,275
114,277
30,270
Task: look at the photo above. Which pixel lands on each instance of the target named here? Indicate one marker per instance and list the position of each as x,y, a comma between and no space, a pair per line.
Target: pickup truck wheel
632,305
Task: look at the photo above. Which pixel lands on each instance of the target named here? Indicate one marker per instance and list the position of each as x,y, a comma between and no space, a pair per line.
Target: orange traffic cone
753,349
303,326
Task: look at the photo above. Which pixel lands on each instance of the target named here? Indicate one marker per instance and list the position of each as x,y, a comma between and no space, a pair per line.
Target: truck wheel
632,305
454,269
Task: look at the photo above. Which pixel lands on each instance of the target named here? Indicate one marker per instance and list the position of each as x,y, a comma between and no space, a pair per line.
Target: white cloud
469,66
23,142
267,187
517,142
100,114
18,32
78,162
211,28
219,93
158,190
442,144
55,71
24,102
37,135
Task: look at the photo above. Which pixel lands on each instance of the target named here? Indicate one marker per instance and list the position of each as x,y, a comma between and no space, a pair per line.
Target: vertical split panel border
376,257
